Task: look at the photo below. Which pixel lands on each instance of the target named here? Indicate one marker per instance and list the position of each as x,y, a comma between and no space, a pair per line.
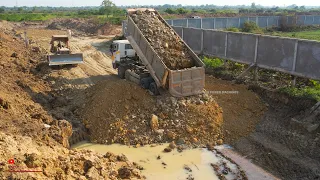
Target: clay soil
165,42
40,107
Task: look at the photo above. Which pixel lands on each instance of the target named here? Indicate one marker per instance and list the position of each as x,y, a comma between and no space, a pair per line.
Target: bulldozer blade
63,59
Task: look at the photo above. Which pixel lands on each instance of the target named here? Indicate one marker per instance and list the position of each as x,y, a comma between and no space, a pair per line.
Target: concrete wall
292,56
308,58
214,42
276,52
241,46
262,21
193,38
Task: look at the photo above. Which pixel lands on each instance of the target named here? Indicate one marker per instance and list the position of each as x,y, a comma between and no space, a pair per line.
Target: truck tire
145,82
154,89
121,72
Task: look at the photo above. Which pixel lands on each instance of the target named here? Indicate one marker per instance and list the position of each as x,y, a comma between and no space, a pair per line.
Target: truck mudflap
63,59
186,82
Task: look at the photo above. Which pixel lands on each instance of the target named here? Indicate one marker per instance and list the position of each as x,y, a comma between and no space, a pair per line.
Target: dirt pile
164,41
59,163
80,26
122,112
33,135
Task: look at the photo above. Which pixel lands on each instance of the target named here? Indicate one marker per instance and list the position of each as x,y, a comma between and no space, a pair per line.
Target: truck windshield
128,46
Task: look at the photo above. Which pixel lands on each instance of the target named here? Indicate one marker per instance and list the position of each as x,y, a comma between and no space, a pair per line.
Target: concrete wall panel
193,37
241,46
276,52
178,30
300,20
243,20
214,42
262,22
194,23
221,23
308,58
317,20
273,21
233,22
180,22
309,20
208,23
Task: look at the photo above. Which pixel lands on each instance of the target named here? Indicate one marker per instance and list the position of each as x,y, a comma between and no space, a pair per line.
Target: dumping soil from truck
164,40
121,112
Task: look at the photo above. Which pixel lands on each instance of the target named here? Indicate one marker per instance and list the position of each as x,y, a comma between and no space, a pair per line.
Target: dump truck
136,60
61,53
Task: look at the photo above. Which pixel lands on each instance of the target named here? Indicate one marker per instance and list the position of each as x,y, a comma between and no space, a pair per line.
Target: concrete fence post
214,23
225,50
257,20
295,53
278,25
202,34
182,33
226,26
255,75
312,20
171,22
239,25
305,20
267,22
201,23
187,22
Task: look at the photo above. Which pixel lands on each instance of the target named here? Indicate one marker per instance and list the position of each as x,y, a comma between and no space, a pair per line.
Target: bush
251,27
233,29
312,92
213,63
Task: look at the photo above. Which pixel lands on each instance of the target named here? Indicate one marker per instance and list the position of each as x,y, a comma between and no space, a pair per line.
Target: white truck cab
121,49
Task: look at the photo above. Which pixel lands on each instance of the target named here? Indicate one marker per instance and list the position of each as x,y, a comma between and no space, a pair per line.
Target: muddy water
198,160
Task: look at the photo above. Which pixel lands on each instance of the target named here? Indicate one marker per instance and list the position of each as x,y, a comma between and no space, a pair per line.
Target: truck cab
121,50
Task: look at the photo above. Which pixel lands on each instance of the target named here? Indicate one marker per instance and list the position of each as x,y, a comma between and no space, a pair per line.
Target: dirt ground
258,124
35,119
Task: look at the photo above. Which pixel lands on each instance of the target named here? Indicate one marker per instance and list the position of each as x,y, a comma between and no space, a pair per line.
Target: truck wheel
145,83
121,72
154,89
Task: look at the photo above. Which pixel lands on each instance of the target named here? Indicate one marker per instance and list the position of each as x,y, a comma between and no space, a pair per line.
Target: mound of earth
88,26
57,162
165,42
122,112
30,134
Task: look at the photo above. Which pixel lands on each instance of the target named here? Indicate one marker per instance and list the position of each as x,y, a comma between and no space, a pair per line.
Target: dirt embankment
122,112
165,42
84,26
30,134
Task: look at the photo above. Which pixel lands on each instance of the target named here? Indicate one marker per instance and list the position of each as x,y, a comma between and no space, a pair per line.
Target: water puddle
189,164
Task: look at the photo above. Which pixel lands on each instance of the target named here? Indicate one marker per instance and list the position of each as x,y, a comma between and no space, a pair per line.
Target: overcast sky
154,2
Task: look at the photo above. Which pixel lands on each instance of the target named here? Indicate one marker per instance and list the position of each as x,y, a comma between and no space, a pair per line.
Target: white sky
149,2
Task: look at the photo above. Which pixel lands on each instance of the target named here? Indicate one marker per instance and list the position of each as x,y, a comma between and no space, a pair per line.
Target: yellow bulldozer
61,53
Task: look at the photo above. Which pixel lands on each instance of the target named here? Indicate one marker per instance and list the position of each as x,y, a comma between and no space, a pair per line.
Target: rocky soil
30,133
121,112
165,42
56,162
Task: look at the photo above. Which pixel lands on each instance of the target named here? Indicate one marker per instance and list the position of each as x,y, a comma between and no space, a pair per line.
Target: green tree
2,10
253,5
108,7
182,11
170,11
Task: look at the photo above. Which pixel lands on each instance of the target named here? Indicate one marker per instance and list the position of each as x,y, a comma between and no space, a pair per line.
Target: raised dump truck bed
179,82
